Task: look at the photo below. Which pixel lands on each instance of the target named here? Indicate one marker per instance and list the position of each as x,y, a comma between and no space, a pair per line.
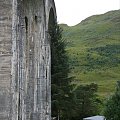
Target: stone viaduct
25,59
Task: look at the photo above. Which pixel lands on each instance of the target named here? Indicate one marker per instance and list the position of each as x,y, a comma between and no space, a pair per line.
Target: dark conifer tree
61,88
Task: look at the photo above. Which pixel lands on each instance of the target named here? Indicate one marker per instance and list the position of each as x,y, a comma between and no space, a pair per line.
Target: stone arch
51,24
31,63
51,8
52,19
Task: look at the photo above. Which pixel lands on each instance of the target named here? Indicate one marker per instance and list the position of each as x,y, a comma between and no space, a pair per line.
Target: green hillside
94,50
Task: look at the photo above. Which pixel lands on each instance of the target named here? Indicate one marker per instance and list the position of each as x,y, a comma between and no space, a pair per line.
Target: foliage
61,88
87,101
108,57
112,106
67,103
94,51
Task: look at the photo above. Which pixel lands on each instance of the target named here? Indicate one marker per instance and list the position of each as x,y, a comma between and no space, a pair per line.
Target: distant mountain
94,50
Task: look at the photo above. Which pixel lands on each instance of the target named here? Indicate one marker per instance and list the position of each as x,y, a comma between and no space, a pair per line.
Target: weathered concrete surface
5,56
25,59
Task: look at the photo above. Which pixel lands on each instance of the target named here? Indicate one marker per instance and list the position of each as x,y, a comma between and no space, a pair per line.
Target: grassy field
93,47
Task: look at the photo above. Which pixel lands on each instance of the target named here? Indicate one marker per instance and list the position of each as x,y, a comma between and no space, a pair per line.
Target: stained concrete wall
25,59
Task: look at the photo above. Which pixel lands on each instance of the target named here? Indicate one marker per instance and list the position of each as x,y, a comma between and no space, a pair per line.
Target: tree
61,88
67,103
112,106
87,102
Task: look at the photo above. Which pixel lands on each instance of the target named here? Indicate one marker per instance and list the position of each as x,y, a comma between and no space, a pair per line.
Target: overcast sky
71,12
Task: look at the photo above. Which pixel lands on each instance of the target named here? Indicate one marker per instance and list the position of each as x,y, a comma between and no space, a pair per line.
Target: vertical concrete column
47,74
21,69
14,94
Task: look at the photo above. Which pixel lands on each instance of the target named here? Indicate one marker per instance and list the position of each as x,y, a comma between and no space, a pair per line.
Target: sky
72,12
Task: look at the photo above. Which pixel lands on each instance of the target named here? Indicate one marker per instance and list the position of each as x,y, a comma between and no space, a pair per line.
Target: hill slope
94,50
